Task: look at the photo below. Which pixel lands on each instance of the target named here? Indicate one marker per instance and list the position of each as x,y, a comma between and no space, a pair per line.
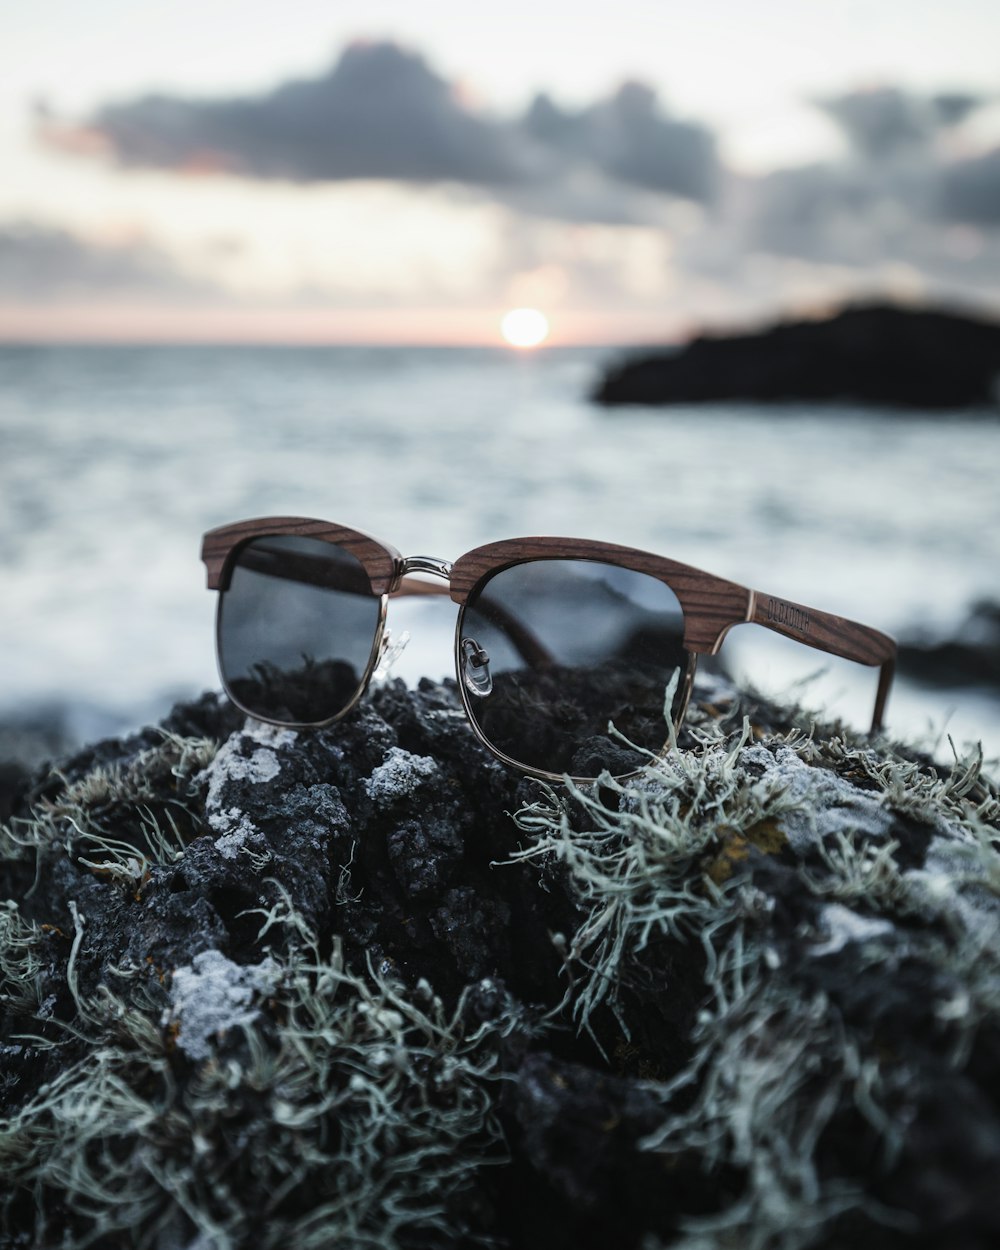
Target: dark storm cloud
382,112
39,263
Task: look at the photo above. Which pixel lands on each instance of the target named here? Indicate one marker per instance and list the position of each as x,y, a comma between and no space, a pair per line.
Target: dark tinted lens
297,626
552,650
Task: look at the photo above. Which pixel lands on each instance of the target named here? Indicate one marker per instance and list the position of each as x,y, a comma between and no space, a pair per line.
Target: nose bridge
426,564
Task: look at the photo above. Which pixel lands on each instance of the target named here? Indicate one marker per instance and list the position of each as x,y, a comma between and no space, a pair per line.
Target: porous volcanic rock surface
312,989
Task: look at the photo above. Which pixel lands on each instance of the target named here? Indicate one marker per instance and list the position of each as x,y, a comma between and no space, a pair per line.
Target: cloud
971,190
630,140
898,214
39,264
885,121
894,196
838,213
910,194
381,112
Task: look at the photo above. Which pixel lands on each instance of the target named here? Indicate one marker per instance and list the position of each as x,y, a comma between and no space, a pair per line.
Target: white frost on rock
212,994
823,802
955,878
400,774
231,764
843,926
234,828
269,735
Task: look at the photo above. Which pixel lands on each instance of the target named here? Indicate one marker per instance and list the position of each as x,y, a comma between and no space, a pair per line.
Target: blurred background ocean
116,459
255,265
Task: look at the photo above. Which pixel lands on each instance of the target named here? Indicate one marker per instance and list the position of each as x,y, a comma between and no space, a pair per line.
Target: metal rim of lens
685,688
301,724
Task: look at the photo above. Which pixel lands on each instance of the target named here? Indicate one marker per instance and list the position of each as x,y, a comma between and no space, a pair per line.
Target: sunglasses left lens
297,628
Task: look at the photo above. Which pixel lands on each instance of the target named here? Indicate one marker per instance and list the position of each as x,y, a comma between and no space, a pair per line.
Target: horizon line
146,325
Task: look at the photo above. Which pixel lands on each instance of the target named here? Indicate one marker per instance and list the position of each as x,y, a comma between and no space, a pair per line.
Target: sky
314,172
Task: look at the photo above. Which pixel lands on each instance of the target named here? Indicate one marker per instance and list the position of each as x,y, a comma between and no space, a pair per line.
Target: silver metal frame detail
437,567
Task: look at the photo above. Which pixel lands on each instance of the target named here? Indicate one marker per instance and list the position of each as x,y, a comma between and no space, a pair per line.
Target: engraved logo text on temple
786,614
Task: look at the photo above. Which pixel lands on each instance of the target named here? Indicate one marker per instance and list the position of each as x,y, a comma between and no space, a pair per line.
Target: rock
364,986
971,658
876,354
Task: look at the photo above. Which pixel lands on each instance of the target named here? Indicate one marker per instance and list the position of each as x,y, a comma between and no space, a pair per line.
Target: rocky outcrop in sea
873,354
970,657
364,987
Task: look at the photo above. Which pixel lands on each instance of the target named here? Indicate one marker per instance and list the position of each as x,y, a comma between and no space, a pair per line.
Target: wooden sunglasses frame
712,606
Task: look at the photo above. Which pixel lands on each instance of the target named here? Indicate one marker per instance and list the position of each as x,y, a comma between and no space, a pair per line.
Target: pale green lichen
21,960
77,819
773,1061
334,1106
636,868
354,1113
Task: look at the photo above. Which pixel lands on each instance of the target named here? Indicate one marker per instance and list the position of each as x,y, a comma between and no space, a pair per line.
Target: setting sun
525,327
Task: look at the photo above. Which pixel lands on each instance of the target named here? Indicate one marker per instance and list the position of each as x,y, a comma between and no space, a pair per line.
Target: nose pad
476,668
389,653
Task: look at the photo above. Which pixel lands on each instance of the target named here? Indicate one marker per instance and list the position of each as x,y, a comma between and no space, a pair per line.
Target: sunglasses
572,657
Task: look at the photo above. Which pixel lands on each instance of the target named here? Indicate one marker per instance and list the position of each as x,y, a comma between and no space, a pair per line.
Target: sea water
113,461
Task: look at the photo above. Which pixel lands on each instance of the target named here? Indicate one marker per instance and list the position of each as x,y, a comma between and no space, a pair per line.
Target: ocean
114,460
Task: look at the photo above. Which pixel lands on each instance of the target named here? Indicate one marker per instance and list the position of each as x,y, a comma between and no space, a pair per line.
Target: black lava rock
897,357
970,658
261,988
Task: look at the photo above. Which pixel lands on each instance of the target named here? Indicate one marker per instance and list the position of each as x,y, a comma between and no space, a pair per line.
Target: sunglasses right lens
297,629
551,651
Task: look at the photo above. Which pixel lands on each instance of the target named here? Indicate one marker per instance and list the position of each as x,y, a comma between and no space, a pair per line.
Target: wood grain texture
886,673
710,604
380,561
823,630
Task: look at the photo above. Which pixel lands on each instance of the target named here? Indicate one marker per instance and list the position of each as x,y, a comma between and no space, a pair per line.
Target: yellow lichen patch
161,973
734,849
767,837
764,835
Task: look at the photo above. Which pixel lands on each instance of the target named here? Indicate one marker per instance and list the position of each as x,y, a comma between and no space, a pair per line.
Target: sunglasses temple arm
885,676
836,635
